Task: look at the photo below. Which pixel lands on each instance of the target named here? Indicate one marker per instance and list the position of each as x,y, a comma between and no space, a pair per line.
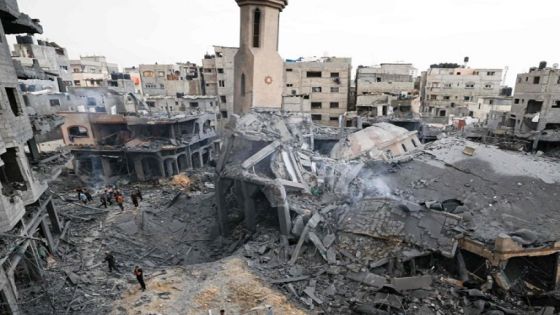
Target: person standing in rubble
134,198
138,193
110,259
83,197
103,200
119,198
139,273
88,195
109,196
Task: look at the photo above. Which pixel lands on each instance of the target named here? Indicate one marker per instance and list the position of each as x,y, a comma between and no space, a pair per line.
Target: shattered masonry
28,220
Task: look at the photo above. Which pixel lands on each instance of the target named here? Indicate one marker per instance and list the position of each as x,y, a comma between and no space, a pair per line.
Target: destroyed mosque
256,185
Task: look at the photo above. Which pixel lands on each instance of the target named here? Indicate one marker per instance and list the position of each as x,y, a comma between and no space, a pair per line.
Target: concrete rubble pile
388,226
160,236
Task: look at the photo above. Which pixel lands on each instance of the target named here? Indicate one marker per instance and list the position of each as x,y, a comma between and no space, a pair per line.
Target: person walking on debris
83,197
134,198
103,200
139,273
119,198
109,196
88,195
138,193
110,259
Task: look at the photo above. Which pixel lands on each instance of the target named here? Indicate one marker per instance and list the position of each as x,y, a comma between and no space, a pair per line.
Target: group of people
113,194
84,196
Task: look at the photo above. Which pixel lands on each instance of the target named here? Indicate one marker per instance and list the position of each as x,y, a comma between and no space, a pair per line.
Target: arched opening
195,158
182,161
257,28
243,84
151,168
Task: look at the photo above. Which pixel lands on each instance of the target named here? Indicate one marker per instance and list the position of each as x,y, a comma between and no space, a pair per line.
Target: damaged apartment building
29,223
535,113
448,89
217,75
107,147
322,82
388,92
174,88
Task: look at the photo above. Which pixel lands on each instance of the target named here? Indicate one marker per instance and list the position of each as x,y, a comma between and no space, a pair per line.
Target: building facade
448,90
393,78
92,71
170,79
324,81
536,102
218,73
489,104
185,104
107,147
50,57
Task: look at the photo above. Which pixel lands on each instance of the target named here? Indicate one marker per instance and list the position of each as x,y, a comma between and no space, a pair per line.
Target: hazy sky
493,33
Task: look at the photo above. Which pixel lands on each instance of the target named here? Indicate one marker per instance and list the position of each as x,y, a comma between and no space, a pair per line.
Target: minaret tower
258,66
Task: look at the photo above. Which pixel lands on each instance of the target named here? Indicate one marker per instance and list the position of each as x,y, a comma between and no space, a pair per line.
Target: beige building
92,71
394,78
49,55
450,89
218,72
488,104
258,78
536,103
185,104
170,79
324,81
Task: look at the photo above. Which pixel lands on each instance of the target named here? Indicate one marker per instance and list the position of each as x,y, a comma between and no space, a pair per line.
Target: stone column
32,262
47,232
139,169
53,216
249,206
175,167
33,149
9,293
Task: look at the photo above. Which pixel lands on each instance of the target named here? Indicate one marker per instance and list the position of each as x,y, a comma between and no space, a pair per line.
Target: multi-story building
27,213
107,147
50,57
324,81
393,78
92,71
170,79
185,104
536,103
134,74
489,104
448,89
218,74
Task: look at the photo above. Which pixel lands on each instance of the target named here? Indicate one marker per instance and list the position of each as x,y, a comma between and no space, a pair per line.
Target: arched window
257,28
243,84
